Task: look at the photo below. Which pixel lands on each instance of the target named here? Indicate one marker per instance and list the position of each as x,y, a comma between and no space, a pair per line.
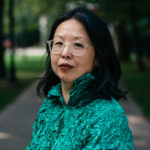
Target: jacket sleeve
111,132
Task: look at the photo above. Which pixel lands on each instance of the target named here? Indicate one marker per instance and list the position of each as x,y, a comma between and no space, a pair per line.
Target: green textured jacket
98,125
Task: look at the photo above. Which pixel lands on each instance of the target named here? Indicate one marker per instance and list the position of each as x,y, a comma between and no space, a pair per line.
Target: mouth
65,67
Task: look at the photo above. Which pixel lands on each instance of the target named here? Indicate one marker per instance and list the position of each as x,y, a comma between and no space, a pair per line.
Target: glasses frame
51,50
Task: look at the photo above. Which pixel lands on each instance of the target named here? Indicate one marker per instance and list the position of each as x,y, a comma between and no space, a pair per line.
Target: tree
2,65
12,76
136,35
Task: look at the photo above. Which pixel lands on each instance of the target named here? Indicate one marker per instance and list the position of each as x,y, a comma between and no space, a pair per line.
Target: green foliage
27,13
111,10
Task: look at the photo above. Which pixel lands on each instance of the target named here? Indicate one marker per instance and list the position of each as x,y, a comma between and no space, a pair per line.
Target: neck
66,87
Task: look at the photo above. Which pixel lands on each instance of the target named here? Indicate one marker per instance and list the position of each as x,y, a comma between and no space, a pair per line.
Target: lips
65,66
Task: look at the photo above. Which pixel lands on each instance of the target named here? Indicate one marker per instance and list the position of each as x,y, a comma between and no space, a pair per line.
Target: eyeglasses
76,48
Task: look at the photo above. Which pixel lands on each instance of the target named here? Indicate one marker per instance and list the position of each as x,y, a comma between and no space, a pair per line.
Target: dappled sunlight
4,135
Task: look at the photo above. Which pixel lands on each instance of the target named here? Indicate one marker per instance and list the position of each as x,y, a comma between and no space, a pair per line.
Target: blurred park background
25,27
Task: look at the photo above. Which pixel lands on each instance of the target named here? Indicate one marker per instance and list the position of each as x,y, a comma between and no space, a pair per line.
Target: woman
81,109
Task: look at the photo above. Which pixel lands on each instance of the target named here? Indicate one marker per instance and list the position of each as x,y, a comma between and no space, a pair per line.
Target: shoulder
106,105
109,126
108,117
107,110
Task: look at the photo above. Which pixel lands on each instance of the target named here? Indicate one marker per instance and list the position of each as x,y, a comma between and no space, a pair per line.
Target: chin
67,79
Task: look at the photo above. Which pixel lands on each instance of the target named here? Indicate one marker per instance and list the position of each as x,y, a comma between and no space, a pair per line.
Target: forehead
71,28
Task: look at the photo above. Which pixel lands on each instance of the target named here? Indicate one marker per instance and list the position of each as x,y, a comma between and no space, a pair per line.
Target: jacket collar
79,95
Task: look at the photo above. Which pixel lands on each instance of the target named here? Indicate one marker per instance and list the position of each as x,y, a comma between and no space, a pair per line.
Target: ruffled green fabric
98,125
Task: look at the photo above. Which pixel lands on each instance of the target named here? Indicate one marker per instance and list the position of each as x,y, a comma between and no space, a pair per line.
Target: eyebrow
76,37
59,36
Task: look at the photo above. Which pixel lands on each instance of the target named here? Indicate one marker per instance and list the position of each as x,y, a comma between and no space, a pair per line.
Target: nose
66,51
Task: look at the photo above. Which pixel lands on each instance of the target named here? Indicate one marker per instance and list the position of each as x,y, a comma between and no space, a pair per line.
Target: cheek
87,63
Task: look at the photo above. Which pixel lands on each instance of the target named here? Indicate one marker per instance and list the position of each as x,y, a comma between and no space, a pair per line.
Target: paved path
139,125
17,119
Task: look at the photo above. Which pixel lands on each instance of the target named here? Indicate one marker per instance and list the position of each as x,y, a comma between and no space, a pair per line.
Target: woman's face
66,66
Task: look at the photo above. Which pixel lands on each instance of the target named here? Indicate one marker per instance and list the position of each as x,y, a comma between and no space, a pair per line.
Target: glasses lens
78,49
54,47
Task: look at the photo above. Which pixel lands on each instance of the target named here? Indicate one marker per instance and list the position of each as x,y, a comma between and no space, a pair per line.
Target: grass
28,68
138,84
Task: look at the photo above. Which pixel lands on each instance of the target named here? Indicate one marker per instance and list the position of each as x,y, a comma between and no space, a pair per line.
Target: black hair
106,83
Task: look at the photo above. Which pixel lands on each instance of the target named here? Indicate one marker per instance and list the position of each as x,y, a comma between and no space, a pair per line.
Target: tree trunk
12,73
2,65
123,45
136,36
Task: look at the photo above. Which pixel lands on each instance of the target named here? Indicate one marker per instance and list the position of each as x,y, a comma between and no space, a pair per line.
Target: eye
58,43
78,45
